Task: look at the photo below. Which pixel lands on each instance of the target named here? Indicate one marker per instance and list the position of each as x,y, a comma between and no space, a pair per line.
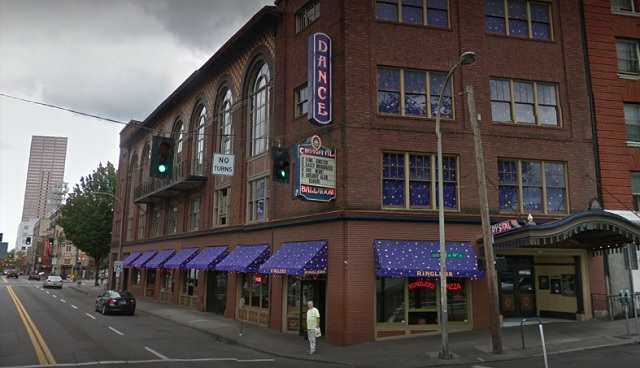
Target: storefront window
390,300
457,299
255,290
136,276
423,304
190,282
166,284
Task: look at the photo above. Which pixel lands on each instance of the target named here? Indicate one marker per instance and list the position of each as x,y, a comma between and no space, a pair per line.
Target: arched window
224,123
259,128
145,159
198,143
179,137
134,177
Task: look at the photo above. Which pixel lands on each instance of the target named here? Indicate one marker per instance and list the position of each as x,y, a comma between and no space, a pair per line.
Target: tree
87,217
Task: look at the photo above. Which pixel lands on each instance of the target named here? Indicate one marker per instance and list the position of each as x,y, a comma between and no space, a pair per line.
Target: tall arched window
224,123
198,143
146,157
179,137
134,180
259,129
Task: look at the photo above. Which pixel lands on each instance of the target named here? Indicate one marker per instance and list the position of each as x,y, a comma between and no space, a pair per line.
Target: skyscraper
46,168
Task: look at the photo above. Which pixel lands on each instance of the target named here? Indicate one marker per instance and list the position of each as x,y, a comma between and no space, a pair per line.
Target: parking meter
625,296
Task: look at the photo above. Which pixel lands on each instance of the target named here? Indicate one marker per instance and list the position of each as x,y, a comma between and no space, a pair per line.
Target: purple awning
129,260
245,258
209,258
181,258
298,259
144,258
159,260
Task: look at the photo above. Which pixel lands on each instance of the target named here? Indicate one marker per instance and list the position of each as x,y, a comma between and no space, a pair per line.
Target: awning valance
144,258
130,258
160,258
209,258
180,259
411,258
298,259
245,258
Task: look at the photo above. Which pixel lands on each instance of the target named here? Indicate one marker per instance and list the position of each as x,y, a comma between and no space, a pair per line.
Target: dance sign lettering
315,171
320,79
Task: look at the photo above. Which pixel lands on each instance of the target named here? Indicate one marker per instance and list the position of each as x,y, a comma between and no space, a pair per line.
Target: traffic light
28,242
161,164
281,164
51,242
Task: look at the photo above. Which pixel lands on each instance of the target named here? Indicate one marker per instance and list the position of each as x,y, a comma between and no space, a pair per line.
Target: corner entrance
517,291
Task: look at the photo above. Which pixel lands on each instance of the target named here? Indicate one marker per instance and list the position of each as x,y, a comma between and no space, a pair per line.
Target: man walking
313,323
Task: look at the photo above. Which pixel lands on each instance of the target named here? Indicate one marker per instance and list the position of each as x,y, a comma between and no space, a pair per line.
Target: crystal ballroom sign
320,112
315,171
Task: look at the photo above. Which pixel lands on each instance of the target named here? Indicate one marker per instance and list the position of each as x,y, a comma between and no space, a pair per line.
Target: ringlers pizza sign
320,95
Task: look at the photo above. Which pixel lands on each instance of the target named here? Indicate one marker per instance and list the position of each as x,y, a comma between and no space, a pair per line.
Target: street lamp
466,58
117,281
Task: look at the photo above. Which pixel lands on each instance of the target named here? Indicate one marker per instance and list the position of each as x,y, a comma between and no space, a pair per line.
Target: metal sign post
241,308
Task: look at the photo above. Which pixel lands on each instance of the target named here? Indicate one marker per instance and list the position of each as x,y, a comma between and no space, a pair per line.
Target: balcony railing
186,176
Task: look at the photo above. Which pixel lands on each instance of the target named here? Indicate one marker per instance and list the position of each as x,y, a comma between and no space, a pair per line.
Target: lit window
255,290
301,98
532,186
632,122
258,199
259,116
628,54
408,181
307,15
413,93
524,102
422,12
518,18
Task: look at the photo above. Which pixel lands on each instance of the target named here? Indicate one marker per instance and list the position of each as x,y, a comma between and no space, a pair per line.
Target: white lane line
48,292
163,357
90,315
254,360
62,300
133,362
73,306
54,295
116,331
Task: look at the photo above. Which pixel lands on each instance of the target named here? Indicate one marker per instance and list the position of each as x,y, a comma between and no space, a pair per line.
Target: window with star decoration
526,19
408,181
434,13
532,186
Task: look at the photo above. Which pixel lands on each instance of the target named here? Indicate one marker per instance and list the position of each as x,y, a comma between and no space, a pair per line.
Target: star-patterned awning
129,260
298,259
159,260
245,258
180,259
144,258
411,258
209,258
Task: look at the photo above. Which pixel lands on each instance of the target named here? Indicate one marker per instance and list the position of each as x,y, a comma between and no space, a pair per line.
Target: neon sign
451,286
320,112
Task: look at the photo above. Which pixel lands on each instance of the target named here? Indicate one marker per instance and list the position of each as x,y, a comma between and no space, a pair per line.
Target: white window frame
259,112
221,208
636,45
536,102
225,121
301,100
308,14
253,200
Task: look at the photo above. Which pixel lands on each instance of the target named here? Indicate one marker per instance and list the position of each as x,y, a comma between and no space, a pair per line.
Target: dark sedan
13,273
120,301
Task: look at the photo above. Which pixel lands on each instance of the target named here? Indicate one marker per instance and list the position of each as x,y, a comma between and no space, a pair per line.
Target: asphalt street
59,327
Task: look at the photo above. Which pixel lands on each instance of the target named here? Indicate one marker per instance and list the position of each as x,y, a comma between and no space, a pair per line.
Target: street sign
54,261
450,254
222,164
117,266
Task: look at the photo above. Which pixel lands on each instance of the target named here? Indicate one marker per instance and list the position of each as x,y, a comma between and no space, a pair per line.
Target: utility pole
492,279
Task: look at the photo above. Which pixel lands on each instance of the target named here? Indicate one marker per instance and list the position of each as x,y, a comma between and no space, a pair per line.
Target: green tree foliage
87,216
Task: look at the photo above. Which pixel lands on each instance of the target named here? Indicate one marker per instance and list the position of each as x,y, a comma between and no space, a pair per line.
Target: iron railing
183,171
611,307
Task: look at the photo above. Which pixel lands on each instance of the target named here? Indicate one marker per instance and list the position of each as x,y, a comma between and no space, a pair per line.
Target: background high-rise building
47,159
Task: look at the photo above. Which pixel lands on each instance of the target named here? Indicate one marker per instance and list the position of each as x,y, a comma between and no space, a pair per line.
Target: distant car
116,301
34,276
13,273
52,282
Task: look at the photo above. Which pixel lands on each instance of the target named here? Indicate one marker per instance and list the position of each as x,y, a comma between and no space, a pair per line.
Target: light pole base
445,354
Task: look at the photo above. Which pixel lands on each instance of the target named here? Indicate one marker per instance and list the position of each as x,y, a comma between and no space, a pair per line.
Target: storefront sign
315,178
320,79
457,255
504,226
431,274
452,286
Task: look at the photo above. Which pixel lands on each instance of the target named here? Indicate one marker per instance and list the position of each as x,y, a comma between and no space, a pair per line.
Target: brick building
612,29
364,244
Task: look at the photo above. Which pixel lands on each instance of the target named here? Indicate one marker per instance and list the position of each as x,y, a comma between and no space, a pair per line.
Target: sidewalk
472,347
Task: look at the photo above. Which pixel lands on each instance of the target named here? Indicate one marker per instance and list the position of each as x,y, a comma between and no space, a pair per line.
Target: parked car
116,301
52,282
34,276
13,273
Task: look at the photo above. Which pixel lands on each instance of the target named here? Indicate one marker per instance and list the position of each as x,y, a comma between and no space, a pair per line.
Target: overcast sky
116,59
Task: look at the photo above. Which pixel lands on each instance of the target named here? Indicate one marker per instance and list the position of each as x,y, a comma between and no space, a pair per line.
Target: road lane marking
47,292
73,306
62,300
116,331
54,295
4,279
134,362
163,357
254,360
39,345
90,315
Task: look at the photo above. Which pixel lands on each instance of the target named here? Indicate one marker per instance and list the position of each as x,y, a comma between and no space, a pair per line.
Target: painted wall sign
315,171
320,94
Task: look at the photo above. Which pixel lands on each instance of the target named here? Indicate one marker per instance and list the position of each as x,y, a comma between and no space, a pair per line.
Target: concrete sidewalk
472,347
